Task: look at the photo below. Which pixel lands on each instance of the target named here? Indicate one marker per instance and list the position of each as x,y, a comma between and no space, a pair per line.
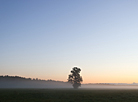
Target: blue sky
45,39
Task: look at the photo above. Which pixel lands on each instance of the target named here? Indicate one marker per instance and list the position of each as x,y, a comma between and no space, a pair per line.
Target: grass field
68,95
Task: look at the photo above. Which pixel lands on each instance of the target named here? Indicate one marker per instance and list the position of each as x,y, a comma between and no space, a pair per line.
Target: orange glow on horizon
109,81
87,79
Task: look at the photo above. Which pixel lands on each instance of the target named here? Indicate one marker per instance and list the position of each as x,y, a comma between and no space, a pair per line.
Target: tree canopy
74,78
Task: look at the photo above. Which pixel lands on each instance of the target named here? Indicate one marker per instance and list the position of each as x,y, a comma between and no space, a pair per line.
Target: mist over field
109,86
34,84
20,82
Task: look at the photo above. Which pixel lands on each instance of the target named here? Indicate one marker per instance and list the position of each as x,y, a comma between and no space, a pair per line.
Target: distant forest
22,82
23,78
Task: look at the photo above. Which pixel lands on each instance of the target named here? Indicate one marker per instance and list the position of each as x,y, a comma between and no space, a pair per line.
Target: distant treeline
23,78
22,82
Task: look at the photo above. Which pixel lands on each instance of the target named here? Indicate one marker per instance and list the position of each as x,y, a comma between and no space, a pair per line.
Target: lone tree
74,78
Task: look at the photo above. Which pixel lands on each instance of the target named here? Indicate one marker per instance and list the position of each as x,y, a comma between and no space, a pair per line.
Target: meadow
68,95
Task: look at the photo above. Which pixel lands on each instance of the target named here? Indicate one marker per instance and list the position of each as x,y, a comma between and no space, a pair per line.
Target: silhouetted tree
74,78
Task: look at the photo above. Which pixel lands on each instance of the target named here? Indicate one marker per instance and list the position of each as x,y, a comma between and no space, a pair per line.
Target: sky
45,39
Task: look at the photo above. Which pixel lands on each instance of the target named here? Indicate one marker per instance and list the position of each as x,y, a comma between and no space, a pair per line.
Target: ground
68,95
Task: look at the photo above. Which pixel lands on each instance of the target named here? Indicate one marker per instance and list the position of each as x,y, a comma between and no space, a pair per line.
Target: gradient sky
46,38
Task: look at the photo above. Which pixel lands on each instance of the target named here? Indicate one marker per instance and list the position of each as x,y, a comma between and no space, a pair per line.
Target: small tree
74,78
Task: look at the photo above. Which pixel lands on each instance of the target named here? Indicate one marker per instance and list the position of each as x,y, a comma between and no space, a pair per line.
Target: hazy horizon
18,82
38,79
46,39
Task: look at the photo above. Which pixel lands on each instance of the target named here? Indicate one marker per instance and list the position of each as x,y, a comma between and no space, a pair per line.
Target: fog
38,84
109,86
20,82
34,84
